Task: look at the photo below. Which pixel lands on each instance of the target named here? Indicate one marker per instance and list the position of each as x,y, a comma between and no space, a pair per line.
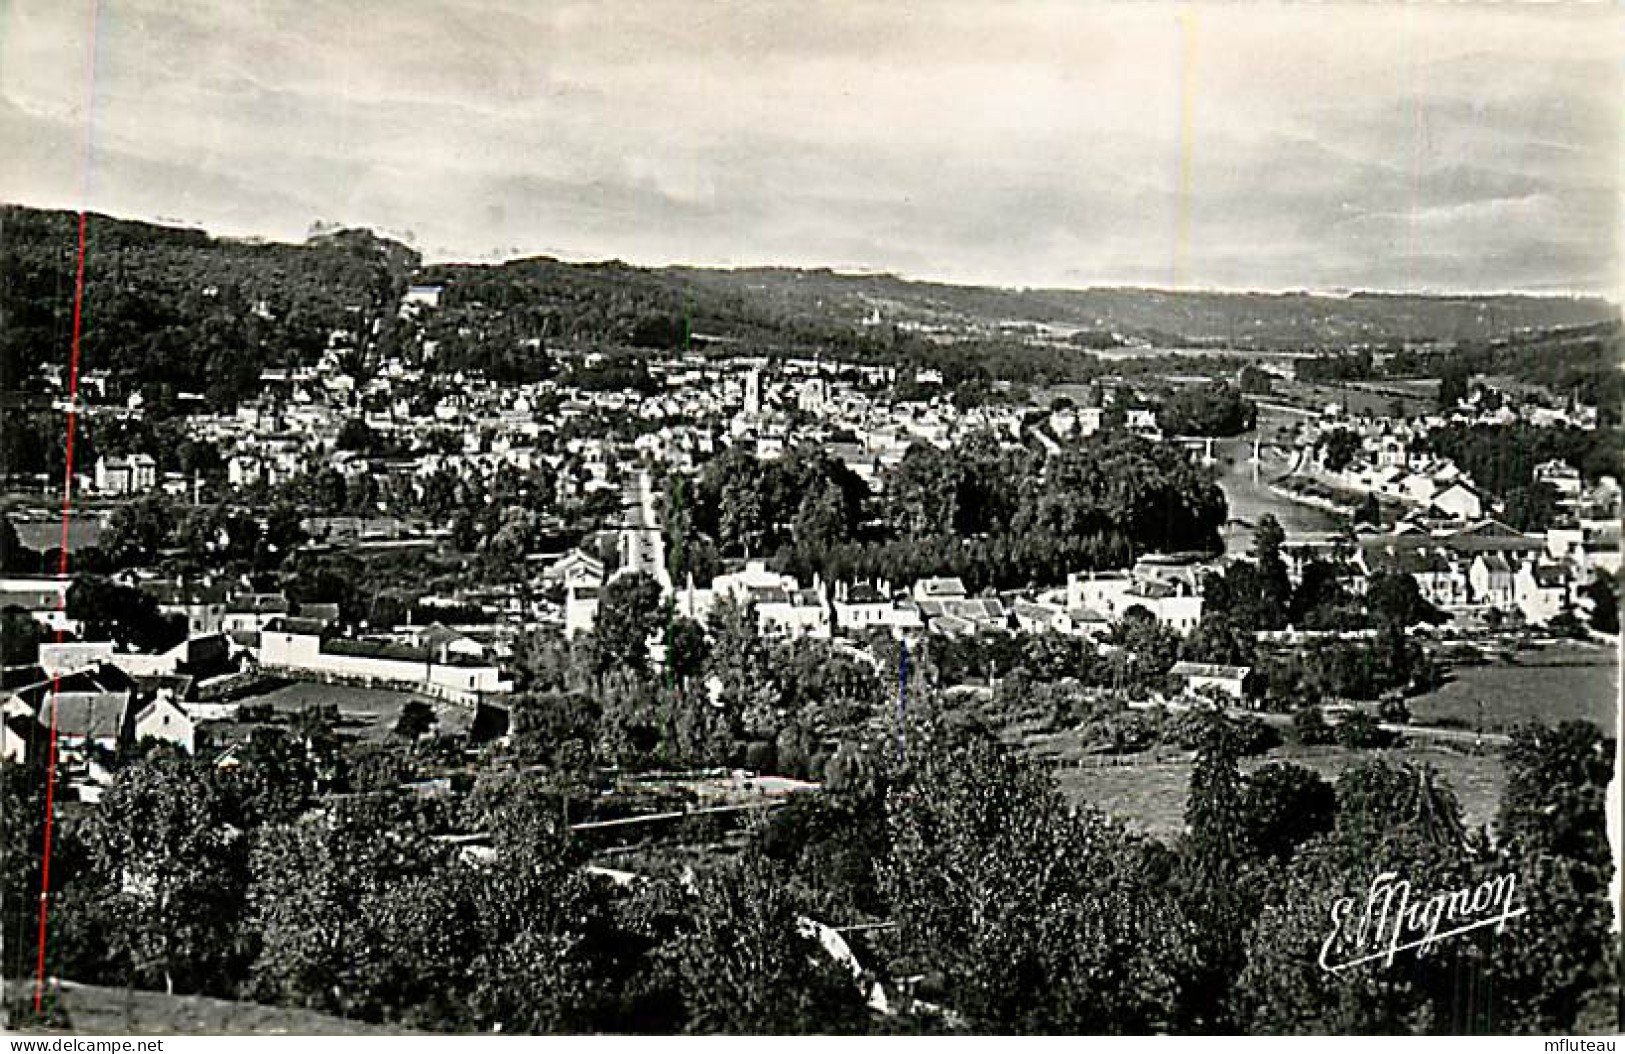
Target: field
1377,398
366,713
1561,683
41,535
1151,797
93,1010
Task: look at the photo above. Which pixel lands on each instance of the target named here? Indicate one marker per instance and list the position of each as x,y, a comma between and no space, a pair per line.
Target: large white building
135,474
1174,603
301,647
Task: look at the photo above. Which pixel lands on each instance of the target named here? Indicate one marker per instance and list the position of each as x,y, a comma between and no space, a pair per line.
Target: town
675,587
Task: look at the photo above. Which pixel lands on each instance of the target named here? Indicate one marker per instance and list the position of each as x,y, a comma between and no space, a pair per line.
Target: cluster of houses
99,696
92,713
1472,571
1390,462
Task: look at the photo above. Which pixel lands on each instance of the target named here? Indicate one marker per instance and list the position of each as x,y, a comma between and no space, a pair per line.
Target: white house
1042,617
1420,488
580,607
59,658
863,605
1230,680
1491,576
252,612
1460,501
939,589
163,719
1173,602
1561,477
1541,591
575,566
791,612
135,474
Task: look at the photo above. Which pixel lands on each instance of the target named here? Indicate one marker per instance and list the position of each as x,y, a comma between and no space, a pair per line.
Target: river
1249,499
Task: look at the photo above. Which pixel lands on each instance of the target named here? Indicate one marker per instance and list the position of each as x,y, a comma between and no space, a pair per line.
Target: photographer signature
1394,920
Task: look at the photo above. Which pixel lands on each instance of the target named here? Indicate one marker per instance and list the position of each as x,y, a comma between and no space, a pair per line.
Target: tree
629,612
1453,385
834,842
1213,807
1268,538
14,556
742,661
1320,598
1255,381
1530,508
1216,409
554,728
1285,805
136,531
745,964
686,651
1557,780
176,871
1370,510
1309,727
355,434
1388,819
416,720
20,637
1027,913
121,613
22,796
1395,600
1255,594
310,881
1604,596
537,983
1217,639
1360,731
216,536
1338,448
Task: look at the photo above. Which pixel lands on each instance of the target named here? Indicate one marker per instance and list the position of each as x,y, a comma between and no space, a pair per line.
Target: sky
1023,143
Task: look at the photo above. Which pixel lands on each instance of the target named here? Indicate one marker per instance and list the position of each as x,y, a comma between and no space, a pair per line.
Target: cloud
1040,143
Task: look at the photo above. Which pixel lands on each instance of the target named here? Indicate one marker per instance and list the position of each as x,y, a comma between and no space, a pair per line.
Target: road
643,546
1465,736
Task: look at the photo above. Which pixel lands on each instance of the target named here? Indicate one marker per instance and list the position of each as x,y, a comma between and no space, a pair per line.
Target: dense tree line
994,515
1503,458
1018,910
720,694
1215,409
174,310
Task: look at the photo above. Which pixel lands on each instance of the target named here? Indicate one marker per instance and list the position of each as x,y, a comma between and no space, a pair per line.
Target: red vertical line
62,606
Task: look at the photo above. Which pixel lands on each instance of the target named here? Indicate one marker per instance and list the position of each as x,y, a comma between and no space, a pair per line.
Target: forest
1016,910
168,309
998,517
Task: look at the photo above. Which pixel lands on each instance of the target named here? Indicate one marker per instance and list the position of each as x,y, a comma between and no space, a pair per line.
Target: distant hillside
1258,320
801,306
174,307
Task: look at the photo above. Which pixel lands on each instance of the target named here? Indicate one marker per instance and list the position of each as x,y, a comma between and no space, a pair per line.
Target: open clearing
367,713
93,1009
1151,796
1569,682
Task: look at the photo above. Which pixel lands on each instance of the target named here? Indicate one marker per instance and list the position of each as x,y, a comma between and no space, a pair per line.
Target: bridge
1204,444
